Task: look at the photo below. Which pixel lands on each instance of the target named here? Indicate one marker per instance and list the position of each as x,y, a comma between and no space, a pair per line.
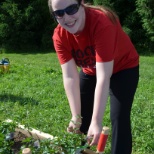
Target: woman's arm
103,73
71,85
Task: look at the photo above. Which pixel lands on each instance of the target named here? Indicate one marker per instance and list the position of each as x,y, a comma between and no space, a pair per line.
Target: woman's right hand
75,124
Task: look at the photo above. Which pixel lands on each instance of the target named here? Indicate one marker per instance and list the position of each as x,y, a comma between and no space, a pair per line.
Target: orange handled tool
101,143
102,140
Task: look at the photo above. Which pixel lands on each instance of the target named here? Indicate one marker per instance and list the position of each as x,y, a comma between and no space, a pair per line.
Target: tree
145,8
25,24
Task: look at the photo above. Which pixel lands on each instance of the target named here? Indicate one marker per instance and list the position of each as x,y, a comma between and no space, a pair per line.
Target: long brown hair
108,12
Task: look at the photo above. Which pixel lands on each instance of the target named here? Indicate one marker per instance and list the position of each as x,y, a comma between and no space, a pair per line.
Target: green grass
33,94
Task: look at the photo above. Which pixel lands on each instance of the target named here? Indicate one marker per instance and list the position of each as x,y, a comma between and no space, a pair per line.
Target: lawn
32,94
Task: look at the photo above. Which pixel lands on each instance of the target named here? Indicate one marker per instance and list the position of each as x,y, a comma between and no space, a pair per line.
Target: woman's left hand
94,134
74,125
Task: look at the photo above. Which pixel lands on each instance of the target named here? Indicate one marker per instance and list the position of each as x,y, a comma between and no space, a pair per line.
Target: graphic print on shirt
85,58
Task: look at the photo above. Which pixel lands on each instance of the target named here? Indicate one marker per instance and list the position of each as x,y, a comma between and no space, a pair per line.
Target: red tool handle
102,140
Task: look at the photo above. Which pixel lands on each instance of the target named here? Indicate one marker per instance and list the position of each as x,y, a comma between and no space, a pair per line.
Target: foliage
145,8
28,24
24,24
5,144
67,144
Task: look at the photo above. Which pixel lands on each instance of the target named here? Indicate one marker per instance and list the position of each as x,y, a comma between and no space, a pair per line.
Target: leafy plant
146,11
68,143
27,22
5,138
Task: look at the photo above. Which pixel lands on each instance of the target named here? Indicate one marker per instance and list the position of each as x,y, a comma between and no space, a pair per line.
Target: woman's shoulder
97,21
59,32
93,13
96,16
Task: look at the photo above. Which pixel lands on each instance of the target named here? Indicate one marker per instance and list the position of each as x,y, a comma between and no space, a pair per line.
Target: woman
92,39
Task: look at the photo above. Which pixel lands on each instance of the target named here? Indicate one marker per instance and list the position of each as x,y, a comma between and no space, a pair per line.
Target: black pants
122,90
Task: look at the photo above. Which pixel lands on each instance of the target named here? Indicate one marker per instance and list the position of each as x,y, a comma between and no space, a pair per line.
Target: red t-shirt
100,41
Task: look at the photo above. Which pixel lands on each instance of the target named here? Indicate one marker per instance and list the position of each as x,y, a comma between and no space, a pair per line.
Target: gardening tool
100,146
102,140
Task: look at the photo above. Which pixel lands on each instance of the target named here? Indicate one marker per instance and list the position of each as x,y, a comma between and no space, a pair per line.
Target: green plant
67,143
5,139
146,11
27,22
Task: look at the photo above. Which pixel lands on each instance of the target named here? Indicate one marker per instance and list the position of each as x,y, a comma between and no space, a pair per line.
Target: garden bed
36,134
22,133
23,138
18,138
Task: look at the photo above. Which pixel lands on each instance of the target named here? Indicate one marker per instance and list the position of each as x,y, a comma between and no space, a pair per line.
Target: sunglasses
70,10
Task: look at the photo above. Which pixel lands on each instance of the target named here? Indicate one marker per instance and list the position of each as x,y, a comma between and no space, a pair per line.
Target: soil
18,138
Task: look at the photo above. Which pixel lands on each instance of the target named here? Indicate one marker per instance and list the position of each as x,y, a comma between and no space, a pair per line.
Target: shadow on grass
20,99
5,73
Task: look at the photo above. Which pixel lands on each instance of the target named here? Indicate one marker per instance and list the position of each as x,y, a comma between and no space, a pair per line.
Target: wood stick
36,134
88,151
26,151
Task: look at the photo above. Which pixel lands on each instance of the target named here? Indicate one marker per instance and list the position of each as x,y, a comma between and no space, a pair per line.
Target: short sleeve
63,53
62,47
105,43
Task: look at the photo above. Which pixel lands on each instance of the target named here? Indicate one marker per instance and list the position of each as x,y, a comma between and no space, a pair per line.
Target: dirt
18,138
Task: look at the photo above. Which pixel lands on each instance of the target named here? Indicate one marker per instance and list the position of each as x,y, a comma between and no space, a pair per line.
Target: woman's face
73,23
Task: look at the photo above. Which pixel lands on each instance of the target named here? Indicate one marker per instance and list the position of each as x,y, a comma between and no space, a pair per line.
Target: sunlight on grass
32,94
